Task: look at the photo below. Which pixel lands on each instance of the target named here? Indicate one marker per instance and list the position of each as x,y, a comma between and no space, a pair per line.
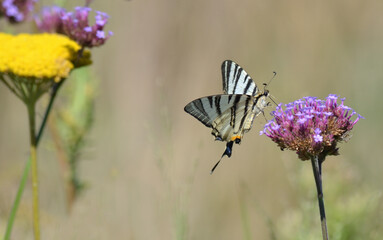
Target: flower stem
35,180
16,203
317,170
55,89
27,167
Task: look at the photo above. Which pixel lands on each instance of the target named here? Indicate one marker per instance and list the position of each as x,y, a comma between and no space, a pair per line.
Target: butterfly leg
263,113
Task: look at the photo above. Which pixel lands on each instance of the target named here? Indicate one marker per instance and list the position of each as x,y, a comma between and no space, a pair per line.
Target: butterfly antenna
227,152
267,84
264,116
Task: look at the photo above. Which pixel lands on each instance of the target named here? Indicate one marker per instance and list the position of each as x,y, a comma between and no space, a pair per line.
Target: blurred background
145,163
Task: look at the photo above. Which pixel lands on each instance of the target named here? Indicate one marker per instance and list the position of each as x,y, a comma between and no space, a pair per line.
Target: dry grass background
147,162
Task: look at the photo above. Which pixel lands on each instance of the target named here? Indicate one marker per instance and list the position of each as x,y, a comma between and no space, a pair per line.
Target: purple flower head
77,27
313,127
16,10
50,19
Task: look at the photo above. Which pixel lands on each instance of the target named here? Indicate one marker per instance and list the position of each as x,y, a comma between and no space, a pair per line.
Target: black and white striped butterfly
231,114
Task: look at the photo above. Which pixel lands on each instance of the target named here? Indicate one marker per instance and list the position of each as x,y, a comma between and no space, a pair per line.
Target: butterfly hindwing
205,109
235,80
225,114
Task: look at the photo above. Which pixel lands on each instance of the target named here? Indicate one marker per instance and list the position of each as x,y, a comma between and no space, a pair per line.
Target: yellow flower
30,64
39,56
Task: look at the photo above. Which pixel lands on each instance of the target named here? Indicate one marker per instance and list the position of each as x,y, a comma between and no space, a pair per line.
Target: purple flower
16,10
77,27
49,19
311,126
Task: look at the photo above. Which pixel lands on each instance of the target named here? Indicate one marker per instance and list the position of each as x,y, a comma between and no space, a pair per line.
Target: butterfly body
230,115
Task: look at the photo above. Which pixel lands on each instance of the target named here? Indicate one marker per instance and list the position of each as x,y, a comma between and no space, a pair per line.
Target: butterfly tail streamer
227,152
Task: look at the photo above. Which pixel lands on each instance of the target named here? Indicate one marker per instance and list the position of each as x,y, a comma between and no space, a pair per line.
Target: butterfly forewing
235,80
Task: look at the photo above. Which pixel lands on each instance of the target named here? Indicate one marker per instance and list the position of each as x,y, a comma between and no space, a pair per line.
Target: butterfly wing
235,80
229,116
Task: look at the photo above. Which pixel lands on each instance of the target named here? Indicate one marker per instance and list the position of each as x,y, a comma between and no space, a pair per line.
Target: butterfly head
266,92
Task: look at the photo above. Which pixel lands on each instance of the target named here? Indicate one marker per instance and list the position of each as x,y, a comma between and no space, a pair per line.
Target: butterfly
230,115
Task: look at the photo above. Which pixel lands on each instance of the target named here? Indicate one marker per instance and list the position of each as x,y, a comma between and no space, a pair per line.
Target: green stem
35,179
317,170
55,89
16,203
27,167
2,78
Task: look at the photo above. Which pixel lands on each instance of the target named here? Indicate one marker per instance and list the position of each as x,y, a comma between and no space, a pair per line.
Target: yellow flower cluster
43,56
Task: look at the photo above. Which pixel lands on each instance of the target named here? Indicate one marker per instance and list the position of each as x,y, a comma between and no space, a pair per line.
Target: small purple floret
318,138
332,97
100,34
302,120
311,126
88,29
